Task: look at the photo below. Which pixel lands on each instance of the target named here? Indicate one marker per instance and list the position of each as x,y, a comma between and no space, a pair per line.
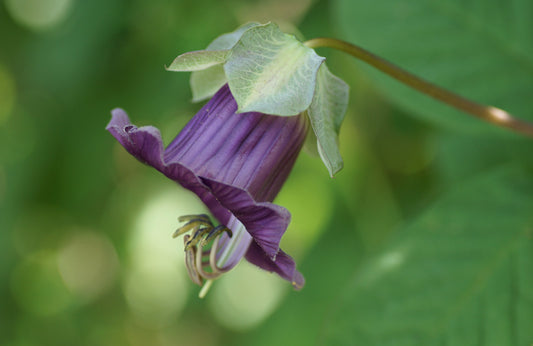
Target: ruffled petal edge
266,222
283,265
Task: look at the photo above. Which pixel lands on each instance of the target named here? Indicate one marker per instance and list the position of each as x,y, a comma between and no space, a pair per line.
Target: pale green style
274,73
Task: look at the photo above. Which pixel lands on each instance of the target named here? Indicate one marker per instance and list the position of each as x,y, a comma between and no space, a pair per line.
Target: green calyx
271,72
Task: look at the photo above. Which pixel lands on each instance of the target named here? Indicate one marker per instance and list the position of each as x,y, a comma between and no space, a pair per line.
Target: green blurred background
435,205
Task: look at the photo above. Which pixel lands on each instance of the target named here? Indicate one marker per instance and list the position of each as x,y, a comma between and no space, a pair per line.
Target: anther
194,222
202,217
202,232
197,237
215,232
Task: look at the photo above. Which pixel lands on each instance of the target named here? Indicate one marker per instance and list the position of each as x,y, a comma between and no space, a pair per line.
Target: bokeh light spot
385,264
38,14
37,286
88,264
155,294
156,285
7,94
392,260
246,296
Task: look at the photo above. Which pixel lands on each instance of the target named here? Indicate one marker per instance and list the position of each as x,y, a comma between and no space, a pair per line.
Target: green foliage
459,274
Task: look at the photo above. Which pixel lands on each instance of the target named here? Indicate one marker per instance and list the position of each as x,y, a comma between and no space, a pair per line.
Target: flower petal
283,265
146,145
236,164
265,221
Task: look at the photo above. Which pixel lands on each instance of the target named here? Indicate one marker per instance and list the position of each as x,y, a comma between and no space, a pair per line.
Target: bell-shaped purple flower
236,164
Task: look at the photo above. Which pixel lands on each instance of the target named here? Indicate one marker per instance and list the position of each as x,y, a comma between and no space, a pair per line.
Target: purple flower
236,164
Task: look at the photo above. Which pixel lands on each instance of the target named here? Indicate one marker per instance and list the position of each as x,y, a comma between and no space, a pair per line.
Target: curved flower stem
491,114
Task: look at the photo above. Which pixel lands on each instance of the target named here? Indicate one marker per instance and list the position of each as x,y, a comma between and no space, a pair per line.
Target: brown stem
491,114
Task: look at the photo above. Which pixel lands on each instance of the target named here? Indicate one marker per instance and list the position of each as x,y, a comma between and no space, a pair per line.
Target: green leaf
272,72
459,275
482,50
458,155
199,60
228,40
206,83
326,113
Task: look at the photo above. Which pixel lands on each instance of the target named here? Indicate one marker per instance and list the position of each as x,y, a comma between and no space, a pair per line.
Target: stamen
197,237
193,225
213,258
202,217
190,255
215,232
202,233
200,269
